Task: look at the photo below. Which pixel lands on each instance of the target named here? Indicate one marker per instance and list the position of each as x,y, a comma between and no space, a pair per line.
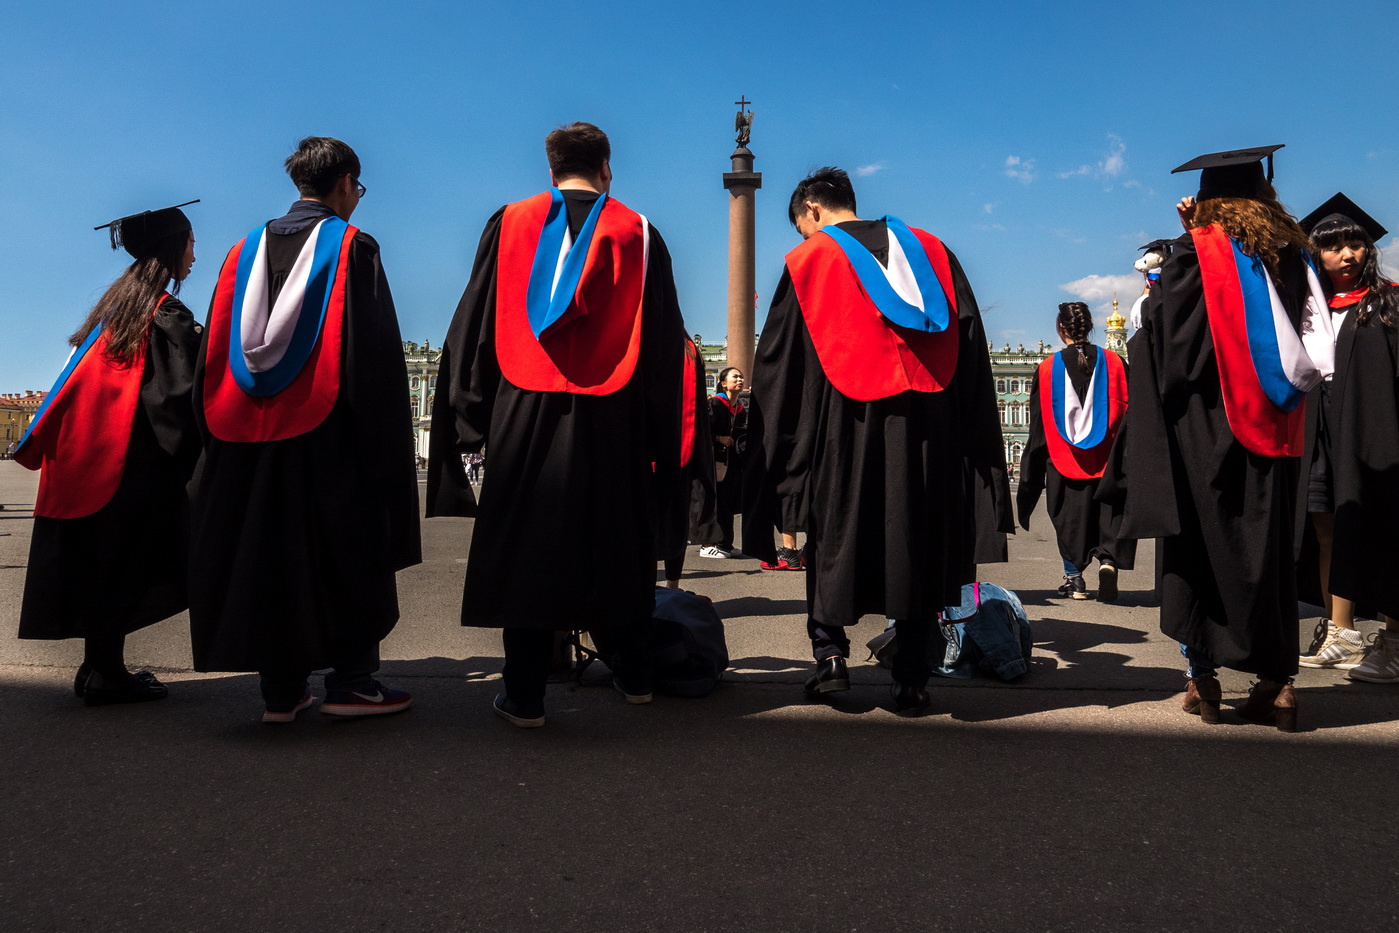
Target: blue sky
1035,139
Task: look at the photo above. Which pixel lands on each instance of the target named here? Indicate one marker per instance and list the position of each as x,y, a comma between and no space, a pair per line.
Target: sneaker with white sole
1107,583
1381,665
1341,649
715,552
286,712
377,700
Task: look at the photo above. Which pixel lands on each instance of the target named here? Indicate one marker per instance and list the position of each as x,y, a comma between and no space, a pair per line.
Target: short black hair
828,186
318,163
577,149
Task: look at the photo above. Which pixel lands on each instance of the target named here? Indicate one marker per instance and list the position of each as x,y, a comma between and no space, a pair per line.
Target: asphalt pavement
1077,798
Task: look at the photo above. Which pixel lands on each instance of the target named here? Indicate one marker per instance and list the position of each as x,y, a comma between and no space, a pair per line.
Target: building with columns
422,388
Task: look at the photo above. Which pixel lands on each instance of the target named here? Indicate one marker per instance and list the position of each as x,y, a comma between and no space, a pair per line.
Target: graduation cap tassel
115,231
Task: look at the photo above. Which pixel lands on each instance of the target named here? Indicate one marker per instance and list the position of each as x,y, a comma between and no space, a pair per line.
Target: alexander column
741,184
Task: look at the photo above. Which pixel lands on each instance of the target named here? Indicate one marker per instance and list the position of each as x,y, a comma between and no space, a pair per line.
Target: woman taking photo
1353,441
116,442
728,421
1077,401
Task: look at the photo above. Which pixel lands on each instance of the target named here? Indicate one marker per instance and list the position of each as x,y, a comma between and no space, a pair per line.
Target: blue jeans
1072,569
1199,663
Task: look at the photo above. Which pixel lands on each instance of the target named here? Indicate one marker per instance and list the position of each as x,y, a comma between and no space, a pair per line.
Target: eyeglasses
360,189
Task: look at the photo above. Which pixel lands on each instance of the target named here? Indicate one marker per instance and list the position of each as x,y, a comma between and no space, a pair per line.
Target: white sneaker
1381,665
1341,648
713,550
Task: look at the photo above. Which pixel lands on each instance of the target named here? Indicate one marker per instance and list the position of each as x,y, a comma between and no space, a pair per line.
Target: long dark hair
723,375
1077,321
1383,299
124,310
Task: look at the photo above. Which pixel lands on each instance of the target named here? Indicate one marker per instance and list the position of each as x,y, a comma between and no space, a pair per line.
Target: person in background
728,421
1077,400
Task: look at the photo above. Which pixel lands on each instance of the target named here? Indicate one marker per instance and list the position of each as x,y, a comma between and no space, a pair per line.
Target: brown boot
1271,703
1202,698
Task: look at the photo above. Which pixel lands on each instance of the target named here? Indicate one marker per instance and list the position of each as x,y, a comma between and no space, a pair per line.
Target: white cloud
1115,163
1131,183
1022,170
1097,292
1111,165
1389,258
866,170
988,207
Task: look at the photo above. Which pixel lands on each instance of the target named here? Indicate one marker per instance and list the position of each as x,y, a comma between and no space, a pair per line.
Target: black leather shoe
101,690
85,671
830,677
911,701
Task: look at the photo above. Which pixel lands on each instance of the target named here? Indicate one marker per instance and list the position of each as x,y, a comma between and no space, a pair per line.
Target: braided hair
1075,321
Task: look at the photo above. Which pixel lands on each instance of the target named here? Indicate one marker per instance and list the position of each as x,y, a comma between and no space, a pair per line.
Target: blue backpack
987,632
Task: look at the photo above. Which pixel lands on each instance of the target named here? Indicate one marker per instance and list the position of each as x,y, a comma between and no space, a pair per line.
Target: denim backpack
987,632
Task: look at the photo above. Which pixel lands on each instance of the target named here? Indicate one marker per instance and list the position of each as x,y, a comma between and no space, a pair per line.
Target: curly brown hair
1261,225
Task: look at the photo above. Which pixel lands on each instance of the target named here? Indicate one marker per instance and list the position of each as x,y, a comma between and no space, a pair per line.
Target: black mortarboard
1234,174
1341,207
138,233
1158,246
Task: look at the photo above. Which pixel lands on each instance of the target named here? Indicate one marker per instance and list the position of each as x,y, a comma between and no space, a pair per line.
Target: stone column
742,183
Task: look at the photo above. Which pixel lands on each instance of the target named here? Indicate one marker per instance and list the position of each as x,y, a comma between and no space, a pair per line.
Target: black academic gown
295,542
691,514
900,497
1365,461
1225,515
1085,527
123,567
566,526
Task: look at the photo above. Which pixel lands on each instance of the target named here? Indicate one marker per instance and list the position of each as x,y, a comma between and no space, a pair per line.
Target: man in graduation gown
305,501
873,388
1214,432
565,361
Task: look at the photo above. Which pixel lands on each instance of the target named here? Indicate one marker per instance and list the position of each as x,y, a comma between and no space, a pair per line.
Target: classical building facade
422,388
17,410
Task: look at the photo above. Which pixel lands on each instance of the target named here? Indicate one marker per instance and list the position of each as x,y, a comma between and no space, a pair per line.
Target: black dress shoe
830,677
85,671
102,690
911,701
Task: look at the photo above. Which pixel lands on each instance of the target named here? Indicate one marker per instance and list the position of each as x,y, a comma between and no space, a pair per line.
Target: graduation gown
122,567
1225,514
1085,528
582,475
690,512
295,542
1364,426
899,497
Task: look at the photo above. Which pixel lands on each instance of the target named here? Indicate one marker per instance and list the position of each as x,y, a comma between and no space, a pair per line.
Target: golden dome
1116,321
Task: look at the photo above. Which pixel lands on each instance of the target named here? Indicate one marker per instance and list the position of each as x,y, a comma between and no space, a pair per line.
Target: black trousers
529,655
911,667
354,669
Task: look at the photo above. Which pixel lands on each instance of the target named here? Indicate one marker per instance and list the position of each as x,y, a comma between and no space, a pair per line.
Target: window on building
1001,410
1016,451
1001,386
414,383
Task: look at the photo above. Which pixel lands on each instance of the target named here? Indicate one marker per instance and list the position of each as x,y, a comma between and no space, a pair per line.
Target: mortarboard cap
1233,174
1341,207
1157,246
138,233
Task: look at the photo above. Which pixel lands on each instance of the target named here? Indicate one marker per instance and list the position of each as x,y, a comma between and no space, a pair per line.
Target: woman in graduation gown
116,442
1349,486
1072,430
728,419
1213,438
